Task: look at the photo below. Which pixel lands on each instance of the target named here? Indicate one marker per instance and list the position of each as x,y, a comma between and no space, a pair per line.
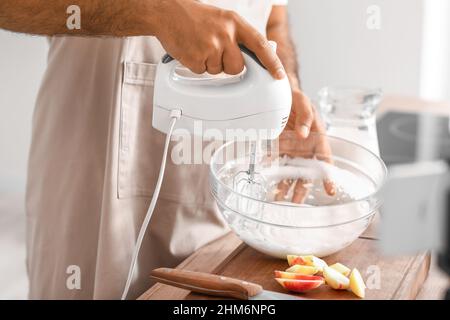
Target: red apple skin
299,285
298,260
296,276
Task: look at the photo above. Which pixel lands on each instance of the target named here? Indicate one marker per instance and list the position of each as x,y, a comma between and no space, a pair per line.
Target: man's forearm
278,31
98,17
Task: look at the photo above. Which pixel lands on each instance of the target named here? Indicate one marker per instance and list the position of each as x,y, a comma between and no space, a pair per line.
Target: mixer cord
174,115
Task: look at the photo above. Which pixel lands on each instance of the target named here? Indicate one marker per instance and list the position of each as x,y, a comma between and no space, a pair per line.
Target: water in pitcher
349,113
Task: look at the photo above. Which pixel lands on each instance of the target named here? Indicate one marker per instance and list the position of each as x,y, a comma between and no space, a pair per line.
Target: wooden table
399,277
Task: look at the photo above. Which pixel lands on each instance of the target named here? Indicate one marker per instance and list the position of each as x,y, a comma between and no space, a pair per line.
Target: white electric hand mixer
251,100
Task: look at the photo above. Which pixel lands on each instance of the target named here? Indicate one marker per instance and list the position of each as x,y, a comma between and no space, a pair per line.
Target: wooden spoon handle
205,283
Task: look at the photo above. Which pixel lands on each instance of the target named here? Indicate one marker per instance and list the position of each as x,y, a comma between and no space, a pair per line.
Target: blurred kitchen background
338,44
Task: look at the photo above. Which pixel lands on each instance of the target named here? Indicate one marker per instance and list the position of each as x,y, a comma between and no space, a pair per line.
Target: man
94,157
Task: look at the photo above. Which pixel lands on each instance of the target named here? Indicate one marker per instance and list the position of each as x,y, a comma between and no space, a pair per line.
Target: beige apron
93,164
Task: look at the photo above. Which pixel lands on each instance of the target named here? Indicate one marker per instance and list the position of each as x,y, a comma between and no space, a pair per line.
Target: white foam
319,221
349,186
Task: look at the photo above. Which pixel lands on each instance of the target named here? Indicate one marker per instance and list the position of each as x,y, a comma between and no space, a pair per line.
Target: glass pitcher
349,113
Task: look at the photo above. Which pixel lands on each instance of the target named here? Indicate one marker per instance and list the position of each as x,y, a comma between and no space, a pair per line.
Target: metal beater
250,182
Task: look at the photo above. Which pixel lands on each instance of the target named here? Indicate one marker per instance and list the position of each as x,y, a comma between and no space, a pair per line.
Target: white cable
175,115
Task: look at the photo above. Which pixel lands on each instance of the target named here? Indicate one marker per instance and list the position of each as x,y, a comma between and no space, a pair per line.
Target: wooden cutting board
390,278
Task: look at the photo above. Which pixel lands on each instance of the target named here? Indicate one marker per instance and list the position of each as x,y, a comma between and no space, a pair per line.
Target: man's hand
294,144
201,37
302,115
296,140
205,38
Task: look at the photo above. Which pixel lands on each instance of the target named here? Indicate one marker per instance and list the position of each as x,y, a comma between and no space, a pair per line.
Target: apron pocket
141,147
137,167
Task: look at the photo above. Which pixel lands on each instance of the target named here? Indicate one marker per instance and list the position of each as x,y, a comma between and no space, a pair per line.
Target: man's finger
282,190
304,114
214,64
257,43
300,191
330,187
233,61
198,67
323,152
323,149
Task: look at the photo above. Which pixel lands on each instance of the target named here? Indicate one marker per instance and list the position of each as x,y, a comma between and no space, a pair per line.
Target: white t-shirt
256,12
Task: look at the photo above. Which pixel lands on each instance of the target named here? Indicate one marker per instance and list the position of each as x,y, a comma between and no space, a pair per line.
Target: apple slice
319,263
307,270
357,284
302,260
339,267
335,279
308,260
296,276
299,285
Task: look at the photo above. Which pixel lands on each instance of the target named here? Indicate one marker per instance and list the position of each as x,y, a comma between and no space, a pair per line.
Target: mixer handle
168,58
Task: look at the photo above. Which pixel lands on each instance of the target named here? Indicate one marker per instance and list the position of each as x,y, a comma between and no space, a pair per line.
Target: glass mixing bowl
322,224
